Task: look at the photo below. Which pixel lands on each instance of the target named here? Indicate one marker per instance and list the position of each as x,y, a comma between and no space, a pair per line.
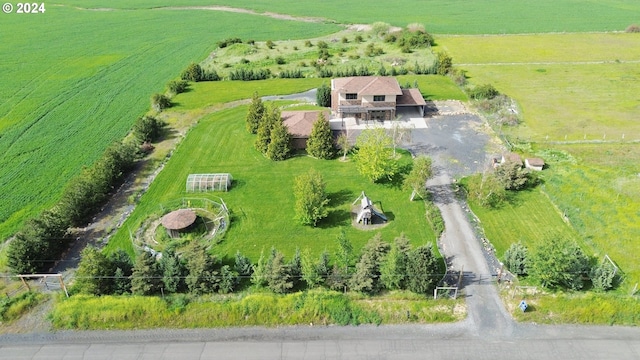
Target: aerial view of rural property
248,179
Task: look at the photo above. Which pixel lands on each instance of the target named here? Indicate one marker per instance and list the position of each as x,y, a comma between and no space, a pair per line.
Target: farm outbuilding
177,221
209,182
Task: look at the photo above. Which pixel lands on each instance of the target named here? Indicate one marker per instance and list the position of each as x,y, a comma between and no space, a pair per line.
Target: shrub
230,41
308,43
193,72
444,63
603,276
147,129
559,264
160,102
515,259
633,28
358,38
485,91
270,44
177,86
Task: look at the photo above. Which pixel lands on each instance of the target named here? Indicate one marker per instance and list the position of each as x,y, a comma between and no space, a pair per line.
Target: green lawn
440,16
73,81
529,217
261,199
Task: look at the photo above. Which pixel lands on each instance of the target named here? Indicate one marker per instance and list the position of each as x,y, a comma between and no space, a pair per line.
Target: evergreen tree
228,280
94,274
310,270
173,272
121,282
516,259
267,121
255,113
422,270
278,274
259,274
278,148
203,277
366,277
243,265
295,267
146,278
323,95
393,270
320,142
121,262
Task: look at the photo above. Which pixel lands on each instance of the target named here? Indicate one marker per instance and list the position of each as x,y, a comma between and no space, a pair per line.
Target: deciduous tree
311,198
374,159
416,181
559,263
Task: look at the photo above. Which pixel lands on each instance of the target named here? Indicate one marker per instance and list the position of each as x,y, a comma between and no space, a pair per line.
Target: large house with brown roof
372,97
300,124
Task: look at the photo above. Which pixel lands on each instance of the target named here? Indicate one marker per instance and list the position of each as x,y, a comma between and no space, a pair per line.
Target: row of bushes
561,264
380,266
43,239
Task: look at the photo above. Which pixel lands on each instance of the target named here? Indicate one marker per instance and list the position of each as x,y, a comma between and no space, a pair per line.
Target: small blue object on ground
523,306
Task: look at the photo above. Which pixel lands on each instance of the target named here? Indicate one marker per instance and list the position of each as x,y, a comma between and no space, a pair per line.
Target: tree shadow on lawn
340,197
335,218
397,179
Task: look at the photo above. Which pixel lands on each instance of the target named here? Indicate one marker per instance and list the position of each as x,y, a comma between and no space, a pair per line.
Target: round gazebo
178,220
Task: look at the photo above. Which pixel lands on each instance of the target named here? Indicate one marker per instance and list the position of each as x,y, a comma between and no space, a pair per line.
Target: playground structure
367,213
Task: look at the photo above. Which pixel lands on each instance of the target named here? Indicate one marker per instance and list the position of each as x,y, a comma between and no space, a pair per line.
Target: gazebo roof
179,219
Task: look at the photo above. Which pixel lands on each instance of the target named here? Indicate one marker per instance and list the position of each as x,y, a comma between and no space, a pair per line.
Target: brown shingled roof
300,123
410,97
368,85
179,219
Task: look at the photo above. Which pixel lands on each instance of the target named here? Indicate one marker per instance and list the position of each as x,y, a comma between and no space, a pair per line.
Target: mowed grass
261,199
75,80
529,217
572,87
439,16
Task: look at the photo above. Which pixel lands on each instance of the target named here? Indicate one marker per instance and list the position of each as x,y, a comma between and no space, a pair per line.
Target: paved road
451,341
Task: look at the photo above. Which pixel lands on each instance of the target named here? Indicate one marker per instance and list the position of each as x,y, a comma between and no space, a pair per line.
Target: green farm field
439,16
570,87
74,81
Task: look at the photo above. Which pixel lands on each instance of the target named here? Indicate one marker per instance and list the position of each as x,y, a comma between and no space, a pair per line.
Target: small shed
534,164
209,182
178,220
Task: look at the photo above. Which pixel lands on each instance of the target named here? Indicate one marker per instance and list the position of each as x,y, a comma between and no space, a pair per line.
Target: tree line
42,240
379,266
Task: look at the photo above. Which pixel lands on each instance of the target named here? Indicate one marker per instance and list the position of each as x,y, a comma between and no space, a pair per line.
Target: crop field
571,87
439,16
261,199
76,82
